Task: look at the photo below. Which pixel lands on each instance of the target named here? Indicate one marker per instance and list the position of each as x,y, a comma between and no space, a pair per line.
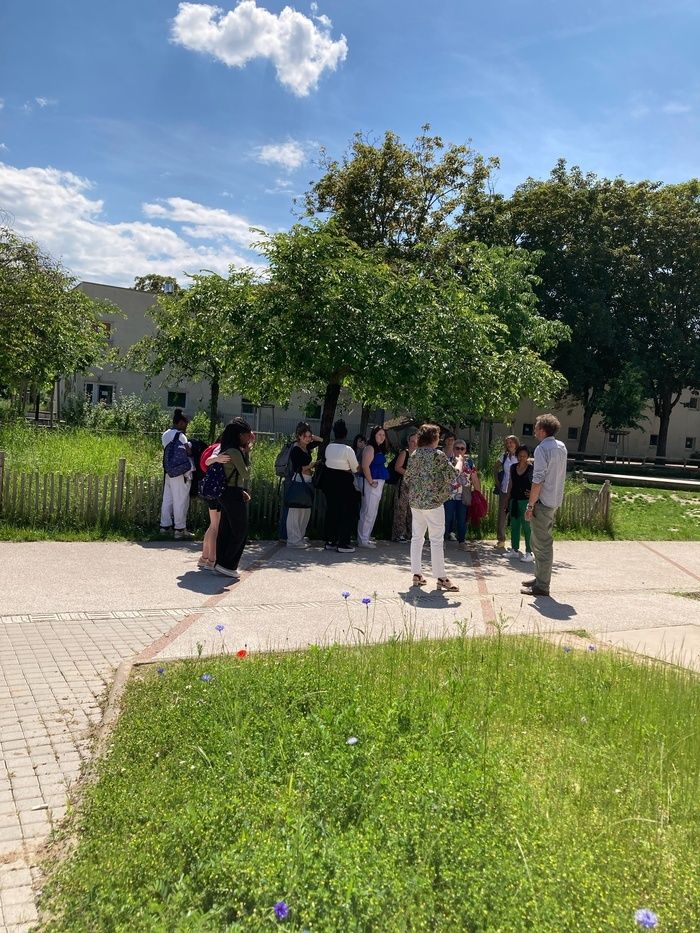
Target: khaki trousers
542,525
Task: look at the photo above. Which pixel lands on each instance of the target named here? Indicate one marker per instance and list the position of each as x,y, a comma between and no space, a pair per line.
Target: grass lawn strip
468,784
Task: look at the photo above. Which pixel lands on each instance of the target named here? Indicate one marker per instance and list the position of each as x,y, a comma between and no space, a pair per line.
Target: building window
528,430
177,399
690,443
105,394
613,437
573,434
312,410
89,389
247,407
653,440
693,403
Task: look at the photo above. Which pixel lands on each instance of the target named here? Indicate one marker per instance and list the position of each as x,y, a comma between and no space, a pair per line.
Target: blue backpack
213,483
175,459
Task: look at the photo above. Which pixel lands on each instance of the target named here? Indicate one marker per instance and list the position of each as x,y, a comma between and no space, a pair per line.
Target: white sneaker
452,536
514,553
528,557
301,546
346,550
182,534
507,552
369,544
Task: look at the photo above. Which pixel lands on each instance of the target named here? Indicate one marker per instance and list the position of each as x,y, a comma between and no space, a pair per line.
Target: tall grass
467,784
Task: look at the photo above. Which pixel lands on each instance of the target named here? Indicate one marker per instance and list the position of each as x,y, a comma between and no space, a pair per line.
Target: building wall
126,329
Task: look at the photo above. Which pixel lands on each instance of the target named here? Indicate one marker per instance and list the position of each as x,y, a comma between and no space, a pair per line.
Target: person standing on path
176,489
300,471
429,476
232,535
401,525
339,488
546,494
519,493
456,508
501,473
375,474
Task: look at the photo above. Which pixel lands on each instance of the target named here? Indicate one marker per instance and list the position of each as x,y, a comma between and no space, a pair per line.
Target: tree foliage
158,284
201,333
49,328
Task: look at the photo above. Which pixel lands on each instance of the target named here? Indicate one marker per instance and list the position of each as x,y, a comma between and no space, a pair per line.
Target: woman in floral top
429,477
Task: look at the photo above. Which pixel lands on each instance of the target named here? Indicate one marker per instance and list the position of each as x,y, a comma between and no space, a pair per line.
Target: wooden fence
122,501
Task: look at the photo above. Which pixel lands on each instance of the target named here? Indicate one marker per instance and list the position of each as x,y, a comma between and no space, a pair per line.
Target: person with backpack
281,470
501,473
177,474
232,535
456,508
341,496
211,488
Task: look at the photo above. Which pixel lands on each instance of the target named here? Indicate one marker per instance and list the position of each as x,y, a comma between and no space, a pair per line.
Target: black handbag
299,495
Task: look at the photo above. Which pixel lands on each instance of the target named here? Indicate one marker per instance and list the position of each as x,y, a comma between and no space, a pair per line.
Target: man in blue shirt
548,476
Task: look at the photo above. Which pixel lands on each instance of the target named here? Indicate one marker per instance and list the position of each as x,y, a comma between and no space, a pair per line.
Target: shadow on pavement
551,609
200,581
435,599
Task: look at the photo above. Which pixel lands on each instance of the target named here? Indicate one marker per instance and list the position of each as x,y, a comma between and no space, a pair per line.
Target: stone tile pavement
63,634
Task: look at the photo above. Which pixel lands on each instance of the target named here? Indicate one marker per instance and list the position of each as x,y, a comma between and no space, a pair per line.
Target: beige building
133,323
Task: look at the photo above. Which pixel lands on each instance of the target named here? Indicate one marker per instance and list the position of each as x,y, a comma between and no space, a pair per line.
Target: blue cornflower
219,627
281,910
161,670
366,600
646,918
567,649
206,678
345,594
591,648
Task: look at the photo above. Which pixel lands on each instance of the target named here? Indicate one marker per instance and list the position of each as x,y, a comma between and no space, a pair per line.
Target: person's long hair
372,442
231,436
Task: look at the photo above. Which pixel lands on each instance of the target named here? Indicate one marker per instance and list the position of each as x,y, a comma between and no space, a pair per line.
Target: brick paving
53,677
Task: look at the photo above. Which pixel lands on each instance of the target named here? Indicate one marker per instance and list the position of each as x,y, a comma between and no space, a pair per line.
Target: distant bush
127,413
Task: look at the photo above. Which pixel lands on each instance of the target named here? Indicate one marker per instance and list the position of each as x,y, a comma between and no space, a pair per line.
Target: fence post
605,501
2,474
121,473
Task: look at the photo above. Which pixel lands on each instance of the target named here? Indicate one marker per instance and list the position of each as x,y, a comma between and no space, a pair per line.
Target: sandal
444,583
419,580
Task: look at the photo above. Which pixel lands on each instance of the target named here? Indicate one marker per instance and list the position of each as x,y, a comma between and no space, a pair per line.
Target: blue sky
139,137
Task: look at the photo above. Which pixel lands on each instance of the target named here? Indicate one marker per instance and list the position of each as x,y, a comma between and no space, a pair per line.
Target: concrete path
72,612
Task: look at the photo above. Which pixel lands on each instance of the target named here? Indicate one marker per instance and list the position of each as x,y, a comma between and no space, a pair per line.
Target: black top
520,485
300,458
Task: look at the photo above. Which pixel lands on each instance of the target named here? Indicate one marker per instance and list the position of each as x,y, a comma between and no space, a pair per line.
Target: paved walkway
72,612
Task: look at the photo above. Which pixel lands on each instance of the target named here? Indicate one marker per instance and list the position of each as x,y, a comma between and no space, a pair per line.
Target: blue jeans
456,514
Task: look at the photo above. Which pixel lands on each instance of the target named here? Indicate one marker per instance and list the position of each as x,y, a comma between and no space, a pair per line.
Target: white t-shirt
341,457
505,463
170,435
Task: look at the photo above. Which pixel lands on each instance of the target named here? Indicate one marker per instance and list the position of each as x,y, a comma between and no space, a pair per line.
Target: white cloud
3,147
674,107
299,49
289,155
2,103
58,210
45,102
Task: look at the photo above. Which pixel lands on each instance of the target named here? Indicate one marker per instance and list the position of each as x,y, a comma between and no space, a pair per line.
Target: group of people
435,486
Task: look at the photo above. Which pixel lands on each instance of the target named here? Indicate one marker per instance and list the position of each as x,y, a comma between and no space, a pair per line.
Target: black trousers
342,506
233,528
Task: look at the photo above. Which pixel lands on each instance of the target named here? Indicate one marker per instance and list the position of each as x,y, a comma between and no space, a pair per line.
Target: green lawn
469,784
641,514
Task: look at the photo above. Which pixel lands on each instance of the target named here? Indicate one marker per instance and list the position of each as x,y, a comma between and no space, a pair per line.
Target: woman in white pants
429,476
300,471
374,474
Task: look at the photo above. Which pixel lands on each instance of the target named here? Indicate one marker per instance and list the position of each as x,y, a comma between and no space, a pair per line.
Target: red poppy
242,653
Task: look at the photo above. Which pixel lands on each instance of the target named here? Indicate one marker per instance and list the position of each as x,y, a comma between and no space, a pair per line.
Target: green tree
201,333
396,195
49,328
579,227
333,314
158,284
664,271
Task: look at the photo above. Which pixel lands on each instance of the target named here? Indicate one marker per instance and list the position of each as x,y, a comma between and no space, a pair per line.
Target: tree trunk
485,429
330,403
37,403
364,419
213,408
51,403
664,410
588,412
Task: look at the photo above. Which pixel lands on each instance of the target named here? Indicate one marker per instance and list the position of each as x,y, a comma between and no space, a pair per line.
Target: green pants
518,523
542,525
